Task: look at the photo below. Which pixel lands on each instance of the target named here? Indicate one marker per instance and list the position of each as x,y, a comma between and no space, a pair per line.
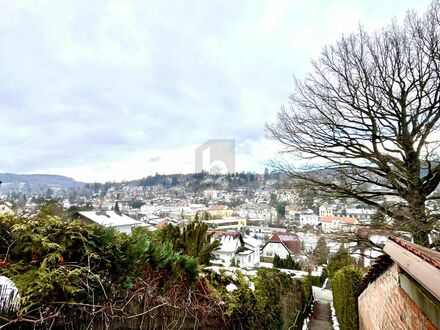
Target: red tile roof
430,256
384,261
291,241
219,207
347,220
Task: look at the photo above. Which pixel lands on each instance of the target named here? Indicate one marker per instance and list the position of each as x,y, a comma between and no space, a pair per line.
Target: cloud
98,89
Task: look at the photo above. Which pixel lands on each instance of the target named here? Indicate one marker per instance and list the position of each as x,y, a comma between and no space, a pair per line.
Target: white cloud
96,89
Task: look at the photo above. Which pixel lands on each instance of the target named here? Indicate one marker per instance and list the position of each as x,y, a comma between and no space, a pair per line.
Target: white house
230,242
283,245
363,215
327,210
337,223
250,254
261,211
287,195
244,251
110,219
309,219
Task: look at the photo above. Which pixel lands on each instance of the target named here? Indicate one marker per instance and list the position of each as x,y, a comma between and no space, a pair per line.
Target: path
321,316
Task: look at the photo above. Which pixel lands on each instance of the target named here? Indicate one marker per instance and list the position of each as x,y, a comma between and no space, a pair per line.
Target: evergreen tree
321,251
192,240
117,210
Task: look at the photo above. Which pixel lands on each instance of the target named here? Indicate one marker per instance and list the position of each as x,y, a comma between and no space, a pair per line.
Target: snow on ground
334,318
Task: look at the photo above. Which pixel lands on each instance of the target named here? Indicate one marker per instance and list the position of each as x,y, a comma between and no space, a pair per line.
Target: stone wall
385,305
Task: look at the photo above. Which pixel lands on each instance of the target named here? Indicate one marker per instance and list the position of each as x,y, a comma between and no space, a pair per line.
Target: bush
287,263
53,260
339,260
274,304
345,282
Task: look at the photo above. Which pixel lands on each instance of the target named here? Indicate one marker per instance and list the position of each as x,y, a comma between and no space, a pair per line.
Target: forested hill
33,181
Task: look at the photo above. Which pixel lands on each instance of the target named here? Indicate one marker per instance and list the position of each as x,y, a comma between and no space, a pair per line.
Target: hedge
345,282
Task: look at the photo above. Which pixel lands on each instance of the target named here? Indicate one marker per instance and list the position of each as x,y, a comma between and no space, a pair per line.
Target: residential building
327,210
220,211
261,231
282,244
257,211
308,219
227,223
287,195
337,223
302,216
361,214
109,219
243,251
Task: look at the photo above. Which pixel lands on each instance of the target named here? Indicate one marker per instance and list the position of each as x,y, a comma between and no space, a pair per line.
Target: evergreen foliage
192,240
344,282
117,209
321,251
273,304
287,263
52,260
339,260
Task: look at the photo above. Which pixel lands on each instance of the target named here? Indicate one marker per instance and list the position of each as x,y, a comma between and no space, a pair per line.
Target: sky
118,90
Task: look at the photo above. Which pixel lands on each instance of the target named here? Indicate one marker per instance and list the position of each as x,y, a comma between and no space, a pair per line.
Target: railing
304,312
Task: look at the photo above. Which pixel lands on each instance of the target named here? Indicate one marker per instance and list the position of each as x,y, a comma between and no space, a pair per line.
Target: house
286,195
250,256
363,215
301,216
261,211
230,242
308,219
109,219
262,231
220,211
282,244
336,223
401,289
227,223
242,250
327,210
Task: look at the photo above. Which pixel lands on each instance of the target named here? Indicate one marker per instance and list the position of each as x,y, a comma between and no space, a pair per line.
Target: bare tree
369,113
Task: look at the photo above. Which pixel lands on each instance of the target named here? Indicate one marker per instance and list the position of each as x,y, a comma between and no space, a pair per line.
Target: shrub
287,263
274,304
340,259
53,260
345,282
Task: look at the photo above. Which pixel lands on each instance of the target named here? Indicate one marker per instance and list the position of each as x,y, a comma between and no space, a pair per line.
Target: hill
34,183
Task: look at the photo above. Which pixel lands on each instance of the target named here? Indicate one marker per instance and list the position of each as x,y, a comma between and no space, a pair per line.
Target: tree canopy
365,120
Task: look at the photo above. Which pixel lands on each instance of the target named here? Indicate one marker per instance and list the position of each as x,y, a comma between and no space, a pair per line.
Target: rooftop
421,263
109,218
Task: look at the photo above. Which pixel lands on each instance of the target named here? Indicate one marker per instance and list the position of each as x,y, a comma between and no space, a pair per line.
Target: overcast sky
113,90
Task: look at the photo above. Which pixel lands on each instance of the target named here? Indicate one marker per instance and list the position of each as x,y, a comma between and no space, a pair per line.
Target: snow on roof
229,241
249,240
109,218
291,241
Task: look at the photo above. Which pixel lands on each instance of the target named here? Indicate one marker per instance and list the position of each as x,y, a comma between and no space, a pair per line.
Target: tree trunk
419,222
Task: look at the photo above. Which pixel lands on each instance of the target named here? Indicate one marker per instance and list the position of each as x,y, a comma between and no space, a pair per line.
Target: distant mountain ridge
40,180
